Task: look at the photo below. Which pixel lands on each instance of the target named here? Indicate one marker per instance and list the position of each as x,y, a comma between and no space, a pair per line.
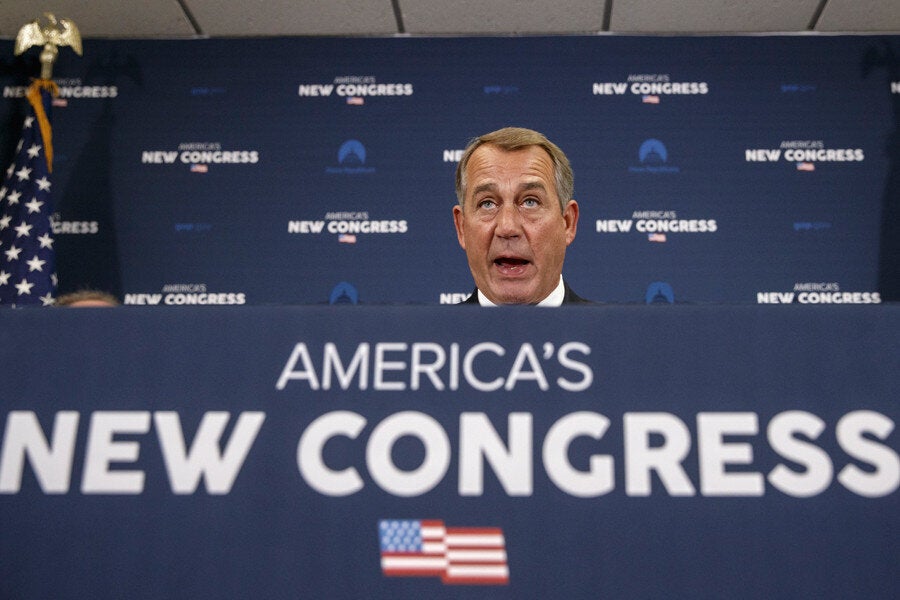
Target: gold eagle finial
50,33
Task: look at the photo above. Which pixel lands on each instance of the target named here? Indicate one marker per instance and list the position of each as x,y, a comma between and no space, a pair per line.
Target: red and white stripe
476,555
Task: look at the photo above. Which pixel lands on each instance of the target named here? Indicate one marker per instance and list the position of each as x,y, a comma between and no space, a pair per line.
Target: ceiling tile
857,16
677,16
502,16
294,17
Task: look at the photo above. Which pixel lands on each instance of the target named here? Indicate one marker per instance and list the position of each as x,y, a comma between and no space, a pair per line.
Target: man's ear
570,216
460,225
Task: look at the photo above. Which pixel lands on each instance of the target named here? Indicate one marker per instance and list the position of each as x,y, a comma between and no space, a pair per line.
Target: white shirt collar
555,298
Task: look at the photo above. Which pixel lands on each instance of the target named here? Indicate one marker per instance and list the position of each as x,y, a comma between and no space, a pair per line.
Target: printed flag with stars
458,555
27,262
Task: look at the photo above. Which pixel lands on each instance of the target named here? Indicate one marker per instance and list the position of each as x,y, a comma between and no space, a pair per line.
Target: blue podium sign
341,452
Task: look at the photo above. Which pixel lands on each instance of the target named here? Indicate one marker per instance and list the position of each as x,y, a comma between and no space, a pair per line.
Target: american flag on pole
27,261
458,555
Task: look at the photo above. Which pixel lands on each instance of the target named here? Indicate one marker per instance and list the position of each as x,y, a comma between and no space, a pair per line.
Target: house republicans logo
656,224
186,294
818,293
199,155
351,160
805,154
354,89
650,87
659,292
344,293
653,157
346,225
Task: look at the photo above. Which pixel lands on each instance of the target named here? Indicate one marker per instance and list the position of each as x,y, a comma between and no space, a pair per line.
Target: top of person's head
511,139
86,298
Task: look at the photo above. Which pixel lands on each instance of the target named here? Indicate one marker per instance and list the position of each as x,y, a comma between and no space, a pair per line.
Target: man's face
511,226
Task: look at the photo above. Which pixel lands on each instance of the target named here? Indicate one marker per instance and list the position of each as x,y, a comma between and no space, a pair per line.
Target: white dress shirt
555,298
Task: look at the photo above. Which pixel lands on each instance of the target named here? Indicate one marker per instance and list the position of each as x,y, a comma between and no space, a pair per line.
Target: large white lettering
600,478
642,458
52,462
103,449
818,466
512,465
885,475
658,452
311,463
715,454
437,454
205,459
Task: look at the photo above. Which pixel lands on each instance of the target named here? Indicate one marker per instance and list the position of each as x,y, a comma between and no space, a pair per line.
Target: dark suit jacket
570,297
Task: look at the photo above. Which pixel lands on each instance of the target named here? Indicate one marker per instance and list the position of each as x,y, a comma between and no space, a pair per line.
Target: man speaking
515,217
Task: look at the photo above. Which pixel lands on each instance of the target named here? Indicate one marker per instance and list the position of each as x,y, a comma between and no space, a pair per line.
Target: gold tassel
34,98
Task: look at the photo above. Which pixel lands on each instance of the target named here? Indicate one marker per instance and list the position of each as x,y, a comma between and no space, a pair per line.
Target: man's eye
486,204
530,202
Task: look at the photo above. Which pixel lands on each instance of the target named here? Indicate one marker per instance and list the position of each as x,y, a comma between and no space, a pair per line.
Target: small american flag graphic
806,166
650,99
458,555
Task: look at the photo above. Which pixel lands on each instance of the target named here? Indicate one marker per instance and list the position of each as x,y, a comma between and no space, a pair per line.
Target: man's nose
509,220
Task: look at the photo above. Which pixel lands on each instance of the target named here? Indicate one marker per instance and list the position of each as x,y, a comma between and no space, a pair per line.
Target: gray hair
511,139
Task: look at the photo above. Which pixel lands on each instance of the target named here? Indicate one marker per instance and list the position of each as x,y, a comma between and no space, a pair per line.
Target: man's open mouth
511,266
505,261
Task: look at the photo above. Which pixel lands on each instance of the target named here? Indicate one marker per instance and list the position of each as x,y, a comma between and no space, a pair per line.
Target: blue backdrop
268,171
